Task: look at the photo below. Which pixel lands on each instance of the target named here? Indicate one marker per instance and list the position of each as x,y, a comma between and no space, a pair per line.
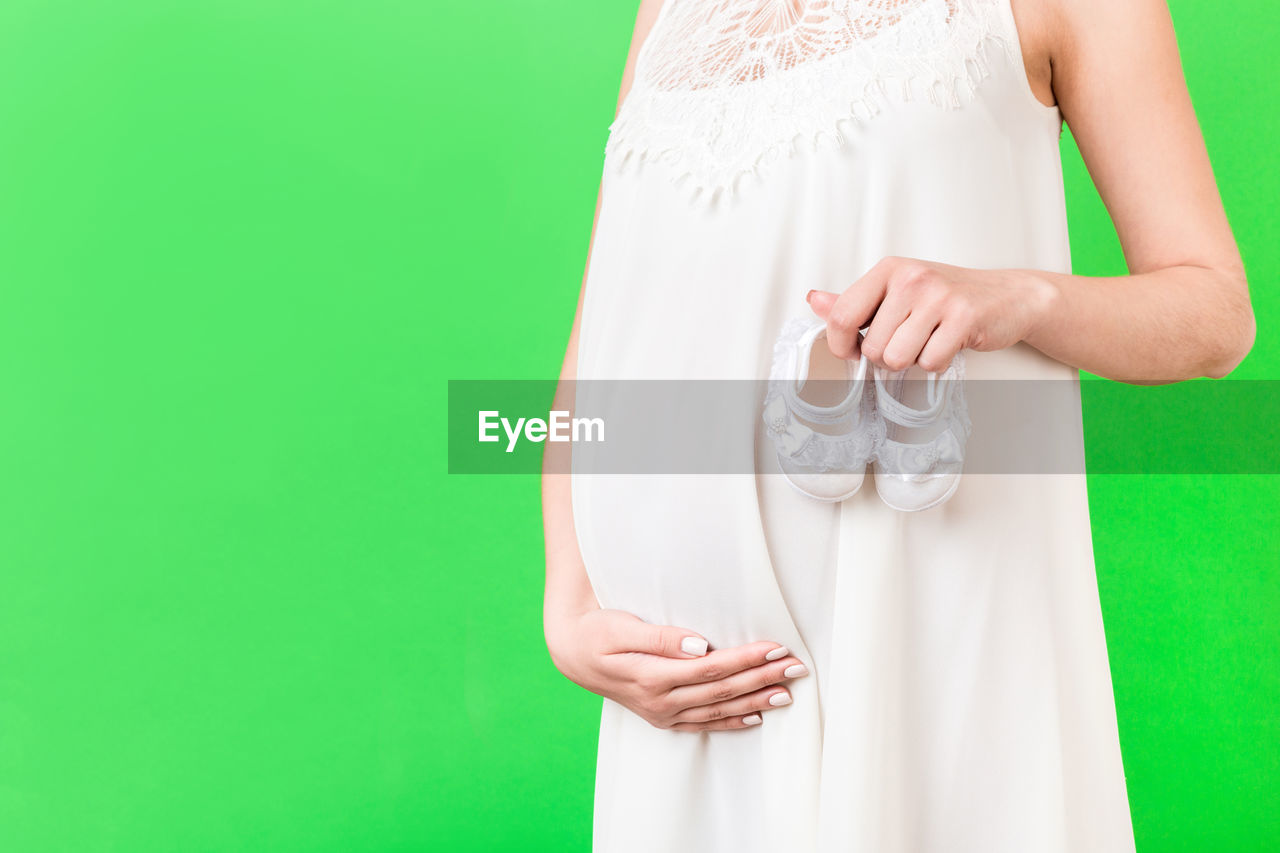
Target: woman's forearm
568,592
1181,322
1165,325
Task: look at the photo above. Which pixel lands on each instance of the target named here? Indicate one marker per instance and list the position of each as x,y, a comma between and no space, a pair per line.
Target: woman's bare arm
1184,309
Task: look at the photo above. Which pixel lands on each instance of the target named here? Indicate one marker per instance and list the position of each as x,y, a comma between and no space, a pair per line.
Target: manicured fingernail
809,296
780,699
796,670
779,652
693,646
751,719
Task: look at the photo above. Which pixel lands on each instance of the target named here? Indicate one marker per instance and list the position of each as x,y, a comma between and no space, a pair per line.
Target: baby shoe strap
824,414
900,413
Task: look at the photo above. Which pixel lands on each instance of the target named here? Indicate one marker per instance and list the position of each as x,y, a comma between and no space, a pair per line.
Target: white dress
960,697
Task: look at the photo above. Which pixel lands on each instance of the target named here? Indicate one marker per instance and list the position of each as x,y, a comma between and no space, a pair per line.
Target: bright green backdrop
243,244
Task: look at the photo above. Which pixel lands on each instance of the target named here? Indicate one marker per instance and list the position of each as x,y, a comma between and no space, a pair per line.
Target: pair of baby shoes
827,430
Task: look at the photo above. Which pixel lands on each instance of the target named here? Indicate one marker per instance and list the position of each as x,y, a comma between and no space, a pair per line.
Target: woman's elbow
1234,338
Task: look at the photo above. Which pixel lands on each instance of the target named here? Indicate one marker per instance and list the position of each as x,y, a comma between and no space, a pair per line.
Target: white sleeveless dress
960,697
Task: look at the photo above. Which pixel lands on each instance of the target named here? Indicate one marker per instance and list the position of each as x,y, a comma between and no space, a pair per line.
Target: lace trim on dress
725,88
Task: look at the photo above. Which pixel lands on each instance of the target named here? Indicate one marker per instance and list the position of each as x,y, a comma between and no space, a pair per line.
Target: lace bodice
724,87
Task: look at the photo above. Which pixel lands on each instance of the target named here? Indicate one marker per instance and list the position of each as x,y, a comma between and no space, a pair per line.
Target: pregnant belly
679,550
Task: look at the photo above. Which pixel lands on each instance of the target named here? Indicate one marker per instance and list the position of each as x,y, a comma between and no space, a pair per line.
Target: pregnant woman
792,675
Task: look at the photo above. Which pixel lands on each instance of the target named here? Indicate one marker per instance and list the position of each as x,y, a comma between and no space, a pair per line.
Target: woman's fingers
740,706
666,674
748,721
821,301
907,341
915,312
737,684
851,310
888,319
943,345
717,665
629,633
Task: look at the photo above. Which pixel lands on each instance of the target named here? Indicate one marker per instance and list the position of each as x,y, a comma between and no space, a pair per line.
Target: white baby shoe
919,462
823,447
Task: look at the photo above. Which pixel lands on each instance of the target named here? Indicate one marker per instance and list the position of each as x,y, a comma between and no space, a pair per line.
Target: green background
243,245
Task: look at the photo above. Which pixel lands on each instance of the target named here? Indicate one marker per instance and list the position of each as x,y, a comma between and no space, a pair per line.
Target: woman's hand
921,312
665,674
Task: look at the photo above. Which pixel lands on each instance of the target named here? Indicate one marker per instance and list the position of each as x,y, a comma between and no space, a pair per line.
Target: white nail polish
796,670
779,652
752,719
780,699
693,646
